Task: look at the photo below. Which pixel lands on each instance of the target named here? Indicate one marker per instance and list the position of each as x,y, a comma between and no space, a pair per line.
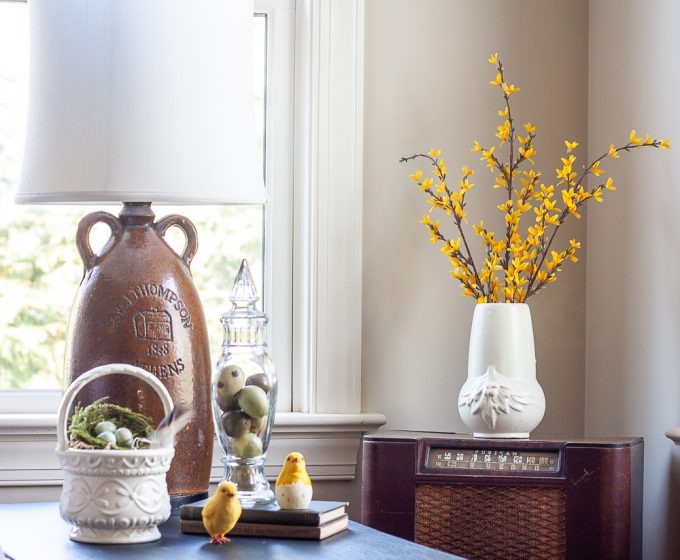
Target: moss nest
82,425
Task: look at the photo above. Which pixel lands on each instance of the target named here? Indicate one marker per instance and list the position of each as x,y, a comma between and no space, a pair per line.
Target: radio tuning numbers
494,460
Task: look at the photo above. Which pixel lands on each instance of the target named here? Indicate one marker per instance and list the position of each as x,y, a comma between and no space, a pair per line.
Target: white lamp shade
141,100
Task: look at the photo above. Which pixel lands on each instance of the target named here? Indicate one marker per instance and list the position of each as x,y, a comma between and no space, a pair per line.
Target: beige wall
633,324
426,85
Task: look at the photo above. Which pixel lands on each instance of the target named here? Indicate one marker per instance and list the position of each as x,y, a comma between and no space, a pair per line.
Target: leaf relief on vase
492,395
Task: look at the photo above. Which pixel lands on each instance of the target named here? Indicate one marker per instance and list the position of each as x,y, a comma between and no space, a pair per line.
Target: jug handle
83,236
189,229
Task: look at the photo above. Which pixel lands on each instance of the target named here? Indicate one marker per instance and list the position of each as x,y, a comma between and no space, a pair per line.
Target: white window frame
322,339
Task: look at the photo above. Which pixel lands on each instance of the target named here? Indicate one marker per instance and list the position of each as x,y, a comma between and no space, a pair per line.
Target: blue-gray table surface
37,532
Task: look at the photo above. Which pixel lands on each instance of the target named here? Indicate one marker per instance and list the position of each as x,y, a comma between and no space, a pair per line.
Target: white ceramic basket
113,496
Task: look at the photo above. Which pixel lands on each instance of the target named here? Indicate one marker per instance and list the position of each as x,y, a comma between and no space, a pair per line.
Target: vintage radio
506,499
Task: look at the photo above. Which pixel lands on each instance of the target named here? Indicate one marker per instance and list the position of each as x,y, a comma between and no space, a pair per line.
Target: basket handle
95,373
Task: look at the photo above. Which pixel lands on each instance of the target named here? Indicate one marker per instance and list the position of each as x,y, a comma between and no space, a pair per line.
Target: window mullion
328,206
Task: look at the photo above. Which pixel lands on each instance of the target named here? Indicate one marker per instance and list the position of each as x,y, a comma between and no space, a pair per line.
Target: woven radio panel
492,522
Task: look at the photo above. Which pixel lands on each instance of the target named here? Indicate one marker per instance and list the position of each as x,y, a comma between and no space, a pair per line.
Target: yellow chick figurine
221,512
294,487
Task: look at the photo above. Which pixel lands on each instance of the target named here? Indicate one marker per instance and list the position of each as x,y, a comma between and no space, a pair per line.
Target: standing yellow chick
221,512
294,487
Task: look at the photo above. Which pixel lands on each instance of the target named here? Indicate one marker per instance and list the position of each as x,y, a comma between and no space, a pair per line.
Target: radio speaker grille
492,522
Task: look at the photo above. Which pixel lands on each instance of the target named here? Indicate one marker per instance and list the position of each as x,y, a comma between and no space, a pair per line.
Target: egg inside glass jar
242,392
230,381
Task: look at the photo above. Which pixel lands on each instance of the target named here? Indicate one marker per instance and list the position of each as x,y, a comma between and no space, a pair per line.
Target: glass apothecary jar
244,393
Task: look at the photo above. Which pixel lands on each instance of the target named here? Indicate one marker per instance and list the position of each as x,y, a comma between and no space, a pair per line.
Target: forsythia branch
527,263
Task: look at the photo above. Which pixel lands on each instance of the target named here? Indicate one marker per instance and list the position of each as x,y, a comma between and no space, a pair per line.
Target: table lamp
137,102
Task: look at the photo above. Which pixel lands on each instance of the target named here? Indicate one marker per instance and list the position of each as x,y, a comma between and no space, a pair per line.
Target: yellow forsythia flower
488,156
493,59
417,175
633,139
665,144
528,153
465,185
552,220
612,151
596,169
570,145
509,89
504,132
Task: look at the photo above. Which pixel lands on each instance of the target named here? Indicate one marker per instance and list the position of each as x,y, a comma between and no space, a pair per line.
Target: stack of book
321,520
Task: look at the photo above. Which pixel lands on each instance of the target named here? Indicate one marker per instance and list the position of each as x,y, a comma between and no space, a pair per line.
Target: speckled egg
247,446
230,381
253,401
259,380
236,423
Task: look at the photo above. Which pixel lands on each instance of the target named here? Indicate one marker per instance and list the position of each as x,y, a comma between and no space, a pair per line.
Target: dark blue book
318,513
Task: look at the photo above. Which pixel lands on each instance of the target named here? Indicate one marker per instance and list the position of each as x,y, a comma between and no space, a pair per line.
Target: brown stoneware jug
137,304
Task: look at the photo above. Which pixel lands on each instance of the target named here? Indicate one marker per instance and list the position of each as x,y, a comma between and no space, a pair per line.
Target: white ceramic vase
113,496
501,397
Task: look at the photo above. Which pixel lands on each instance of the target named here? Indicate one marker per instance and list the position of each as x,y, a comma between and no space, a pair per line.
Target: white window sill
329,442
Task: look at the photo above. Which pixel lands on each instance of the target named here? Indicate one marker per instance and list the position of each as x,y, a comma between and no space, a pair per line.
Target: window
40,268
311,250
